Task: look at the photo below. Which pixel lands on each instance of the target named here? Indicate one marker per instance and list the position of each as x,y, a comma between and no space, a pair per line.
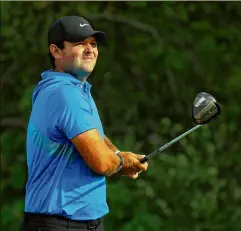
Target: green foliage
159,56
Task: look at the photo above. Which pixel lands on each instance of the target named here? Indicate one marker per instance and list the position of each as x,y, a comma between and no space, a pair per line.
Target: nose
88,47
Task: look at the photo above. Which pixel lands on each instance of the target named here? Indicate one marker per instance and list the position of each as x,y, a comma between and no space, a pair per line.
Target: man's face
79,56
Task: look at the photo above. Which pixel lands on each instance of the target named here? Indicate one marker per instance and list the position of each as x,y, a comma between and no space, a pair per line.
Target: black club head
205,108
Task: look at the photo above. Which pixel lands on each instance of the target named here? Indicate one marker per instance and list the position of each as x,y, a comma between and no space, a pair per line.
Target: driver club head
205,108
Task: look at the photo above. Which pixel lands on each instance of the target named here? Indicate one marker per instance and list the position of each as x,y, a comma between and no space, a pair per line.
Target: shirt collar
85,86
51,73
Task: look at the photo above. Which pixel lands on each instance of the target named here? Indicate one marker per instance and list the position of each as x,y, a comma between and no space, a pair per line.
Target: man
68,154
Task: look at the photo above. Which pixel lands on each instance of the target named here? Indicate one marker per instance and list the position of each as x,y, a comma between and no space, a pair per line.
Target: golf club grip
143,160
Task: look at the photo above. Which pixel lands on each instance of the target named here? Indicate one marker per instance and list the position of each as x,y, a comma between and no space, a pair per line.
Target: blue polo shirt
59,181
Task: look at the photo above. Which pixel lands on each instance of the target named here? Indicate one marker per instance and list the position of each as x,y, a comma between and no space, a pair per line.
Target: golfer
68,154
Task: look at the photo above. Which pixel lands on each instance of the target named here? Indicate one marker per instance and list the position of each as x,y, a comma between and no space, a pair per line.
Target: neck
79,74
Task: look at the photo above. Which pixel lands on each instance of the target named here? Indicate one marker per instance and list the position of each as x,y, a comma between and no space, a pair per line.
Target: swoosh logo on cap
82,25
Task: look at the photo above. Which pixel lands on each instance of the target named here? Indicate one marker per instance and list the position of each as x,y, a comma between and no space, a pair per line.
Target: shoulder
68,98
67,92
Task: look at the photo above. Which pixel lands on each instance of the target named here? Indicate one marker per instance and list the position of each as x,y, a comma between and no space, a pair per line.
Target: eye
80,44
93,44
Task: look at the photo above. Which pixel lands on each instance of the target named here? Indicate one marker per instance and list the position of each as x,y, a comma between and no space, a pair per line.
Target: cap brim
100,36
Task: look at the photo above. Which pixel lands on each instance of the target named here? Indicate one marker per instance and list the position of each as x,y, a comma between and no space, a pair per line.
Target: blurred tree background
159,56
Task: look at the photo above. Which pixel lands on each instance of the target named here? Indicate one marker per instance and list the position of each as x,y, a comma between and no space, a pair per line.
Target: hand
132,165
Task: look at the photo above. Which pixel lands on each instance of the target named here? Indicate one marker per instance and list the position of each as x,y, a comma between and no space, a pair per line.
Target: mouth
87,58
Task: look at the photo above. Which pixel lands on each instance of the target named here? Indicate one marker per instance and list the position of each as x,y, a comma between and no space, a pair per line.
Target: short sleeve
70,110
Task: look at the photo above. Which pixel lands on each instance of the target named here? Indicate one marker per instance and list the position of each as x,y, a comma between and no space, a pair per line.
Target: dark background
159,56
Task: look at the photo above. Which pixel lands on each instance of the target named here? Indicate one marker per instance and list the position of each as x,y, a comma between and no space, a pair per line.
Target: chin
87,69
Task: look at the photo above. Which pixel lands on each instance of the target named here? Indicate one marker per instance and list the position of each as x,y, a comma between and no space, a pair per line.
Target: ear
55,51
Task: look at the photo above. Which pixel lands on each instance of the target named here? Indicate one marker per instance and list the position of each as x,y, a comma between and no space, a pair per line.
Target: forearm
110,145
96,154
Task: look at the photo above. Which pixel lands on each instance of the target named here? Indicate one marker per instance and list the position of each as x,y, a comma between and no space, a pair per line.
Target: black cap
73,29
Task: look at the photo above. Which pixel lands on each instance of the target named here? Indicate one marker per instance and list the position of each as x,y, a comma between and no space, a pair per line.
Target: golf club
205,108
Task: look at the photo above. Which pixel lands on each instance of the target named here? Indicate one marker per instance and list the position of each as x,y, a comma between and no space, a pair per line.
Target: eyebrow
84,42
78,43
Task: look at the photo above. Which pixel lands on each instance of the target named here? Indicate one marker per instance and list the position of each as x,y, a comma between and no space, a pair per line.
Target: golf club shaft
162,148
